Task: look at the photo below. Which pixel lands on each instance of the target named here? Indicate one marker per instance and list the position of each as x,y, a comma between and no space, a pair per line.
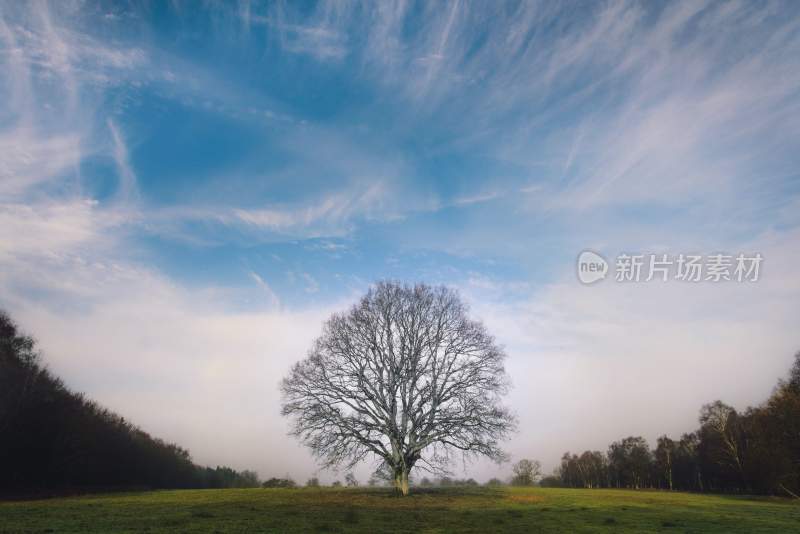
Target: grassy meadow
378,510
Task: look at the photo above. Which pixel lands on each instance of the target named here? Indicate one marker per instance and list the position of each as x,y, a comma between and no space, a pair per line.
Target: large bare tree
404,377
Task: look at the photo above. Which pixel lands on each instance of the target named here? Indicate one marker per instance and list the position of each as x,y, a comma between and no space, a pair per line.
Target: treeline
756,451
53,439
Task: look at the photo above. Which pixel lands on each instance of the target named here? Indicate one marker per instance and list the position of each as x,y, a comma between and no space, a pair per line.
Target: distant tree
494,482
425,482
630,462
780,425
19,371
312,482
569,472
721,430
767,439
686,469
336,484
526,472
247,479
665,460
350,480
405,376
594,466
279,483
793,382
589,470
383,475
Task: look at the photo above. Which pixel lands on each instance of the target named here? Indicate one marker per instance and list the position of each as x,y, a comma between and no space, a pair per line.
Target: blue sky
187,191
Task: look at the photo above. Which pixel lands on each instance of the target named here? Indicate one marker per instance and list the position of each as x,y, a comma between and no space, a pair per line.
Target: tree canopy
405,377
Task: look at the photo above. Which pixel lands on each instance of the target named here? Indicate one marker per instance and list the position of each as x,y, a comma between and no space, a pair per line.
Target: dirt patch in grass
525,499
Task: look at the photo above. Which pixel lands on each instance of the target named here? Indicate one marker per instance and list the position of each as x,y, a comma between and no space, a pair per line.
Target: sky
188,190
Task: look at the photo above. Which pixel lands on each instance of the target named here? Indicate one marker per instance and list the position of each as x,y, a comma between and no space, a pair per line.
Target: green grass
368,510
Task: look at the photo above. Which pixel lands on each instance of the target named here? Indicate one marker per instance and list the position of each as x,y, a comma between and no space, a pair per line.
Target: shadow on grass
761,498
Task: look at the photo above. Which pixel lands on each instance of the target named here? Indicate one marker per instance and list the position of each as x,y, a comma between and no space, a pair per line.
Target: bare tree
665,459
722,421
405,377
526,472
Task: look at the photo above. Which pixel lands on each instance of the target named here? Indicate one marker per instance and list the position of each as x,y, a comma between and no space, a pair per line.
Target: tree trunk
401,481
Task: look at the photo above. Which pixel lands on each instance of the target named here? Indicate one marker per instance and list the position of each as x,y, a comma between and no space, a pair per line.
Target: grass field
370,510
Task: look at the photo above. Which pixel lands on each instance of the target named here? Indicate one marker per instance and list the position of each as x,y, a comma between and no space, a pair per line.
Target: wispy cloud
476,199
28,159
272,298
46,229
330,216
52,69
127,178
312,286
318,35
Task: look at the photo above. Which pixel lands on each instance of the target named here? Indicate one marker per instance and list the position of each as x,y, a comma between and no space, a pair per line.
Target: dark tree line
52,438
755,451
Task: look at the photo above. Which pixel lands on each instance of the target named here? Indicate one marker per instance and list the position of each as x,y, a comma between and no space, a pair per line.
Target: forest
754,451
57,440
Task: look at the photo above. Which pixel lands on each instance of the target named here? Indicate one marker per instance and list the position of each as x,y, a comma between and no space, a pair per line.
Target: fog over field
186,196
